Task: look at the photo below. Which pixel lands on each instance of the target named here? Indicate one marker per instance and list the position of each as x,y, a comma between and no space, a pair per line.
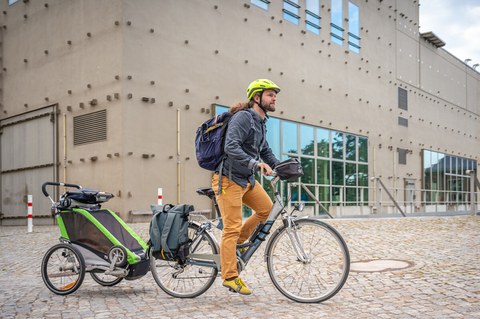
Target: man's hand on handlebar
265,169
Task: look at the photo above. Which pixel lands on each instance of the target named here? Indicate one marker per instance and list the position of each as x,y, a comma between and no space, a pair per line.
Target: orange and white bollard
30,214
160,196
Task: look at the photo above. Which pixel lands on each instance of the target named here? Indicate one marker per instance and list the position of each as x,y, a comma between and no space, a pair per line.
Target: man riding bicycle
245,146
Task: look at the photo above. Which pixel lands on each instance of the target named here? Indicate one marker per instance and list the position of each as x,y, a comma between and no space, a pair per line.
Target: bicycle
307,260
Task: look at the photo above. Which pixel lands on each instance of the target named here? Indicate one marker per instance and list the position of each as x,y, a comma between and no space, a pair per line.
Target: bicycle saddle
207,191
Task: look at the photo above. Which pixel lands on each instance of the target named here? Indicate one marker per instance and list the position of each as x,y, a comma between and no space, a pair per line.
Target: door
28,158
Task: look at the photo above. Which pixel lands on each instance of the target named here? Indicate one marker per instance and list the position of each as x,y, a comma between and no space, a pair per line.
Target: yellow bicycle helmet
260,85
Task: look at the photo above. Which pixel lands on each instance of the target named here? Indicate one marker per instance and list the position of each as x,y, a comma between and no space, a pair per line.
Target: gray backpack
169,231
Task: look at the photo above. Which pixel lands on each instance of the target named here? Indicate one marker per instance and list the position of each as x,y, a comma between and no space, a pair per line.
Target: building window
402,99
402,121
335,163
261,3
402,156
90,128
353,28
291,11
10,2
312,16
445,178
336,30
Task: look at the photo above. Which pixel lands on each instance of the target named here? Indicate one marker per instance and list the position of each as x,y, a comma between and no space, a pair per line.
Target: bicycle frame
258,236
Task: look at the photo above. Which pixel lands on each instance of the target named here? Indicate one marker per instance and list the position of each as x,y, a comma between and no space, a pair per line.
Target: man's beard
269,107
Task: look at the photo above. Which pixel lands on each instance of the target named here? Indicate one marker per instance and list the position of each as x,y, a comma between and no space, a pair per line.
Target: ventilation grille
90,128
402,121
402,156
402,99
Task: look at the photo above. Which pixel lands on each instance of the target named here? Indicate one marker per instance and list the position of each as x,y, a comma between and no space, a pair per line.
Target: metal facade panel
15,188
27,144
27,159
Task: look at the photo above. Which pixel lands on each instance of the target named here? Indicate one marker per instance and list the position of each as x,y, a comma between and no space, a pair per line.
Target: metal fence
379,199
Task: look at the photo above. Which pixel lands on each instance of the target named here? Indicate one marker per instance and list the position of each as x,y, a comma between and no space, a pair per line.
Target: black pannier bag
289,170
169,232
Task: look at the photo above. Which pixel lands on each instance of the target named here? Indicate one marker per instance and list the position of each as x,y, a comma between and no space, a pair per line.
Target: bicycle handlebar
44,186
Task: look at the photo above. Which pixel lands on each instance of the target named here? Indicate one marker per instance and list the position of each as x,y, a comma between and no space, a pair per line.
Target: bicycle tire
187,280
105,280
63,269
319,278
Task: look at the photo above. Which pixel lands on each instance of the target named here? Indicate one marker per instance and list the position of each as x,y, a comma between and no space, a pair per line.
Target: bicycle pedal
232,290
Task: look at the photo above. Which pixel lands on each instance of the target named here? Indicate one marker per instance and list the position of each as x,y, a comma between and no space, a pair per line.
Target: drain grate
379,265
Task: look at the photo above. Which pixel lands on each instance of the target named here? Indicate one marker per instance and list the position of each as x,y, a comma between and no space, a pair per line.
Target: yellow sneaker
237,285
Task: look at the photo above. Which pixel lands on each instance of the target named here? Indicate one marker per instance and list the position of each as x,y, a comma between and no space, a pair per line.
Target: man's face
269,98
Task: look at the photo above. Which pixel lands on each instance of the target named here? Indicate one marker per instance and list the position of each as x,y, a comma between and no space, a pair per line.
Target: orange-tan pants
230,202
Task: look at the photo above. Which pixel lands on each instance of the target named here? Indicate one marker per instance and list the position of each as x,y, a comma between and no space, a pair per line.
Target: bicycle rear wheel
63,269
188,280
323,272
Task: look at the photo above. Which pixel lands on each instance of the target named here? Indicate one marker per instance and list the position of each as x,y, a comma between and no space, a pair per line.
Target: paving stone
442,281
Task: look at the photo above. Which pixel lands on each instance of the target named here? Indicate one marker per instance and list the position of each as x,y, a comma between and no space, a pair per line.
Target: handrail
474,184
390,195
309,193
405,199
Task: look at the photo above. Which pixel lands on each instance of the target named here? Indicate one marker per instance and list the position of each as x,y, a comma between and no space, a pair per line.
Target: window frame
262,4
290,16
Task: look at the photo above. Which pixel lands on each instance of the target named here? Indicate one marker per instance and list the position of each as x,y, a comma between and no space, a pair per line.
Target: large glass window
362,149
307,141
353,28
261,3
289,137
312,16
337,145
445,178
336,30
323,172
323,142
273,138
335,163
350,147
291,11
337,173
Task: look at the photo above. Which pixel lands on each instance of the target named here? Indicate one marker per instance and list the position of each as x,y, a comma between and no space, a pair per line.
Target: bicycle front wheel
309,265
190,279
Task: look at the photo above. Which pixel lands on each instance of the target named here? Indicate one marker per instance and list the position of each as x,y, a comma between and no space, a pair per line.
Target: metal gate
28,157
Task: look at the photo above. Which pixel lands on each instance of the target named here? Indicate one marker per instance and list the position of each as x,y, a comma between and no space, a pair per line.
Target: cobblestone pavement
442,282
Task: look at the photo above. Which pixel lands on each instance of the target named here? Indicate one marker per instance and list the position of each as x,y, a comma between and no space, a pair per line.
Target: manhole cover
378,265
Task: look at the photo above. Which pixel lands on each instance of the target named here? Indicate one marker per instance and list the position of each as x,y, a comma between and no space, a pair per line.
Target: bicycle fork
296,241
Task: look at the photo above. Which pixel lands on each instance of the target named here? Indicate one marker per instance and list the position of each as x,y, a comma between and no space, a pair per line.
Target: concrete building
108,94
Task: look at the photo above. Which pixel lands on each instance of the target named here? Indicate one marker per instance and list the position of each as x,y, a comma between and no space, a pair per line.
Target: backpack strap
166,231
220,170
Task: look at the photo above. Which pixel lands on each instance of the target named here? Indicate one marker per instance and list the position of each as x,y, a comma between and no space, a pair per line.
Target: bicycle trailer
95,232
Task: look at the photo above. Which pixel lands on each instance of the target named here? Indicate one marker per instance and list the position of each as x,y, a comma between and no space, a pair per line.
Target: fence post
473,203
30,213
160,196
378,194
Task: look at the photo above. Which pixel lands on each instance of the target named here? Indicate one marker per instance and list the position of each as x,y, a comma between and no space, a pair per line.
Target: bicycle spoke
188,280
325,269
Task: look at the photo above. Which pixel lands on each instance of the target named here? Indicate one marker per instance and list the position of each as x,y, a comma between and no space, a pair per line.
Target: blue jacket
245,145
